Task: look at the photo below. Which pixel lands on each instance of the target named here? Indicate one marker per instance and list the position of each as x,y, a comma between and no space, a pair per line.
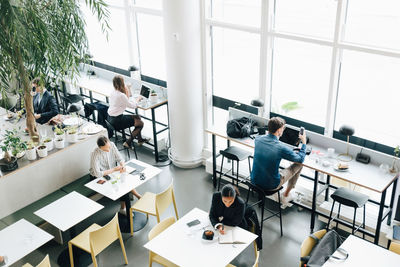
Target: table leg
328,182
380,214
314,202
214,158
153,121
392,199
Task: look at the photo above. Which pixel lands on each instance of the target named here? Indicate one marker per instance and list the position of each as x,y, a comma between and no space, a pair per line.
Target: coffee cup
331,152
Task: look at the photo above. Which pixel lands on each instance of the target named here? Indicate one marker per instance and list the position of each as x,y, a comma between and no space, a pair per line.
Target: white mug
331,152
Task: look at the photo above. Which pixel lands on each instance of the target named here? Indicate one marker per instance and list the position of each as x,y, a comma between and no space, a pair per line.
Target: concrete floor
193,188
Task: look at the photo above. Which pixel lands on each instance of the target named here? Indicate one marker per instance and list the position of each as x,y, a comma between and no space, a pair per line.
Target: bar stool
261,194
348,198
122,131
235,154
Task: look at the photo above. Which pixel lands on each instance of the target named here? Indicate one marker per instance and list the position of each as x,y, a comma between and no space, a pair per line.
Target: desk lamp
259,103
349,131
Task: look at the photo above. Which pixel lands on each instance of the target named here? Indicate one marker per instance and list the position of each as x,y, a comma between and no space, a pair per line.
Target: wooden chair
154,204
309,243
96,238
395,247
155,232
255,262
44,263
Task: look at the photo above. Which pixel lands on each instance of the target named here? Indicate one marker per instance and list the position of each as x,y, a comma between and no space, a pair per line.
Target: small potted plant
48,142
9,162
18,150
31,150
59,141
42,150
72,134
58,131
153,96
396,154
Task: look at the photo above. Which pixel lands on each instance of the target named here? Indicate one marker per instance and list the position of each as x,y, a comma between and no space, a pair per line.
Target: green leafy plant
43,39
397,151
289,106
31,144
48,139
153,92
72,129
12,142
58,130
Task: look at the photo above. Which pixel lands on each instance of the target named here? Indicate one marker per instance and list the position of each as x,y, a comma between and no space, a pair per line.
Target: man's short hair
102,141
275,123
37,81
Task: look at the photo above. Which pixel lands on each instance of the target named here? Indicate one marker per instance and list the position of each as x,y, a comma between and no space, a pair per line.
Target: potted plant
59,141
31,150
9,162
48,142
153,96
42,150
396,154
58,131
72,134
19,149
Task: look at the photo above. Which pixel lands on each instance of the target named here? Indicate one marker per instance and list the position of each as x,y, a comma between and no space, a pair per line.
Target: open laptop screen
290,136
145,91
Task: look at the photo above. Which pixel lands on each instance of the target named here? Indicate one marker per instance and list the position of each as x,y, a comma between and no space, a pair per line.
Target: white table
185,247
20,239
364,253
69,210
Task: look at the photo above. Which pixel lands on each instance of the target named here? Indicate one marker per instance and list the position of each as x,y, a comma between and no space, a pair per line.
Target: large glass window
300,80
244,12
373,23
113,51
236,60
155,4
369,96
151,46
306,17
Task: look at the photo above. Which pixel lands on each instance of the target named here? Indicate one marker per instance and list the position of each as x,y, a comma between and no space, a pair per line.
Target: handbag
324,248
240,128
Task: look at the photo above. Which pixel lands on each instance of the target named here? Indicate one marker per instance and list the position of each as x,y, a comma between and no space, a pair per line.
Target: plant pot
62,136
8,166
72,138
31,154
49,145
42,151
59,143
153,98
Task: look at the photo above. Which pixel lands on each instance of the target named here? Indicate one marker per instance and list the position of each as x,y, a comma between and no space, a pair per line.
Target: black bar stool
235,154
122,131
348,198
261,194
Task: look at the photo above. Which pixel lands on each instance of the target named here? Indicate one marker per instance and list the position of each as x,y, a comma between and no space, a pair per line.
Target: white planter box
72,138
59,143
49,145
31,154
42,152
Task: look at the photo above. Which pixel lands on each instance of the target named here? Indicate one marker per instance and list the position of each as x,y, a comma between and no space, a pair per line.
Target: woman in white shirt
119,101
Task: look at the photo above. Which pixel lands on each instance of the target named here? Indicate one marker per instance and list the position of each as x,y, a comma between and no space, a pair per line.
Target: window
373,23
115,50
244,12
300,80
155,4
306,17
235,64
369,96
151,45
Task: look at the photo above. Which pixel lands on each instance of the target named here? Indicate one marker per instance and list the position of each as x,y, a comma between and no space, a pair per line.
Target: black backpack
240,128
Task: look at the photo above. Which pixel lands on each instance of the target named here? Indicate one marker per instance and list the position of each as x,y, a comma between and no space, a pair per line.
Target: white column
183,62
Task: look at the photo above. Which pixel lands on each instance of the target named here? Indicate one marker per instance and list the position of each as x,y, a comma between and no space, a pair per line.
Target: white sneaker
286,200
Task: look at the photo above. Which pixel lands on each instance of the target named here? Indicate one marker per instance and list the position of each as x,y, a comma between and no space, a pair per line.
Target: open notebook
233,235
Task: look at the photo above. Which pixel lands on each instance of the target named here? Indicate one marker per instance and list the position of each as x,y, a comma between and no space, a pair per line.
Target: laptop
145,91
291,137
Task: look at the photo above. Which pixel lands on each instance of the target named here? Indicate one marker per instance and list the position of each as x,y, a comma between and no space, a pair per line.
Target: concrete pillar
183,62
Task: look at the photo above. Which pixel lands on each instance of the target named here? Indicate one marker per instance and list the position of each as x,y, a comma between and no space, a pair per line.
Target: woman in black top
227,208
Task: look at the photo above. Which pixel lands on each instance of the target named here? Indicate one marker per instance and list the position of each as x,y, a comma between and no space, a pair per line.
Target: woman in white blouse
119,101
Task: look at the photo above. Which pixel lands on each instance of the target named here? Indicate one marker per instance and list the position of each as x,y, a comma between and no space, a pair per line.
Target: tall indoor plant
44,38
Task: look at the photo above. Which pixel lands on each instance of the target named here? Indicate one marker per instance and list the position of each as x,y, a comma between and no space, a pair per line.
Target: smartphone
301,130
107,177
193,223
101,181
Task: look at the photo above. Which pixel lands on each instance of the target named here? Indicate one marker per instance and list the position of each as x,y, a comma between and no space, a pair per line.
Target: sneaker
142,141
286,200
126,145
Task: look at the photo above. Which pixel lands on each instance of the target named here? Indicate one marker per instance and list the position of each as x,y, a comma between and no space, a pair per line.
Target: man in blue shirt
269,152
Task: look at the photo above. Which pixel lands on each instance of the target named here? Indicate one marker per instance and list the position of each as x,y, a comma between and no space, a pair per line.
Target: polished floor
193,188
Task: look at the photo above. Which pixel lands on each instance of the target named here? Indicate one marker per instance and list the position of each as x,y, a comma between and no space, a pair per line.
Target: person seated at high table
44,104
227,208
269,152
106,159
118,102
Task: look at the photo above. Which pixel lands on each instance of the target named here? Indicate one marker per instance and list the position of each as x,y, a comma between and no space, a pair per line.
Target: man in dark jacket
44,104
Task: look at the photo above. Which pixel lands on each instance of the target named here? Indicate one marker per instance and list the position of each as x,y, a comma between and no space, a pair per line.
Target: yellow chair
309,243
154,204
44,263
255,262
395,247
96,238
155,232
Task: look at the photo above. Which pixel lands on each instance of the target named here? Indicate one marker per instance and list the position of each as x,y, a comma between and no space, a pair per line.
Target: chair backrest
103,237
109,125
309,243
257,259
45,262
164,199
161,227
395,247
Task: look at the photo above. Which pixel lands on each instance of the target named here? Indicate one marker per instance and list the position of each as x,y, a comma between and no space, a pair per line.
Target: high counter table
104,87
368,176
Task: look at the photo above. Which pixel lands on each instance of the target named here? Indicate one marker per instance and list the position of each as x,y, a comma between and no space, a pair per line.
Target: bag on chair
324,248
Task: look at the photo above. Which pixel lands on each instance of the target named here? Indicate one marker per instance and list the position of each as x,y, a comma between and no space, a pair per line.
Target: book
396,232
232,236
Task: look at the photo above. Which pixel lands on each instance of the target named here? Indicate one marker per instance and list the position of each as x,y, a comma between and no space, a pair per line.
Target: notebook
232,236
